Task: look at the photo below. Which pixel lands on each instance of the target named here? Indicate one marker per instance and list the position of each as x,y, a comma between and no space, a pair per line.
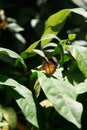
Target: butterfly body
49,65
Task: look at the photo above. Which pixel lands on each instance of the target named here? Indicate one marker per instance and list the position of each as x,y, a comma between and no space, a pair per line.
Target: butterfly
50,65
3,21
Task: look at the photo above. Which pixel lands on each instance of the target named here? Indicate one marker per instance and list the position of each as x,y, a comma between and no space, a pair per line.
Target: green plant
28,83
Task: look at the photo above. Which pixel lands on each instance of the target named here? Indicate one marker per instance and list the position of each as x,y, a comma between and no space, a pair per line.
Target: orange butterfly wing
49,66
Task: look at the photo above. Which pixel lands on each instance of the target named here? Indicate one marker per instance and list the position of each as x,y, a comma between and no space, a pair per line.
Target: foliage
24,84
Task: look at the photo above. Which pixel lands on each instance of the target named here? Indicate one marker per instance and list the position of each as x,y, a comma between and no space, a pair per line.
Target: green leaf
14,27
80,55
3,124
80,43
7,52
66,57
50,44
11,20
37,88
62,96
71,36
39,52
80,11
56,22
25,100
82,87
29,50
20,38
29,109
10,116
